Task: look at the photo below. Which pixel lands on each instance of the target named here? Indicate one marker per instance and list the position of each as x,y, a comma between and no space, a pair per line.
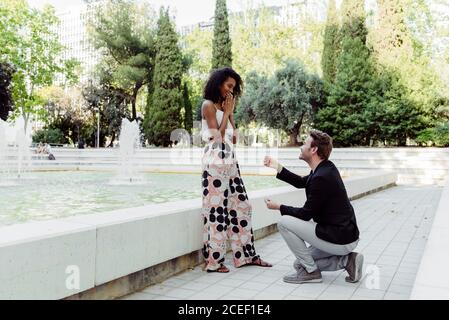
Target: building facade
293,13
73,35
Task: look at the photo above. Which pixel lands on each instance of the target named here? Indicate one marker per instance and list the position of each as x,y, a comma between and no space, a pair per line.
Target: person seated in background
47,150
39,148
81,144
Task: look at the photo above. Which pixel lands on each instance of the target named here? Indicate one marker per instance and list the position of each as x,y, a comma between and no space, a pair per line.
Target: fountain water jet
15,155
129,142
4,166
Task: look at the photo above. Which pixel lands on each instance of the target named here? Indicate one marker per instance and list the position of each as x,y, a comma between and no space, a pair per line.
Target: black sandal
260,263
222,269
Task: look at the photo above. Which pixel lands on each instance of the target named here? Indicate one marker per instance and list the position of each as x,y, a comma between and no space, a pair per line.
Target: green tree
441,57
109,103
164,113
353,20
247,108
198,46
400,119
394,50
66,111
256,33
33,48
399,48
262,43
6,73
331,44
345,116
149,103
13,14
438,135
125,32
392,39
283,101
53,136
221,45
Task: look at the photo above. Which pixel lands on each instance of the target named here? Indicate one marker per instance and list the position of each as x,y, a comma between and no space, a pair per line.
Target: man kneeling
333,234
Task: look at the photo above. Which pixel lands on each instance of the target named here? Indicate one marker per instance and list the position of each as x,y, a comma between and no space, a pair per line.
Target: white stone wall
34,257
413,165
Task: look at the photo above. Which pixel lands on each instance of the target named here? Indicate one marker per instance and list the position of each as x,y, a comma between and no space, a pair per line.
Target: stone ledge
120,251
153,275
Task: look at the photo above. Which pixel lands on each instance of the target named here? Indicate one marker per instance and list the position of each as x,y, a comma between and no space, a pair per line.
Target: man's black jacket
327,203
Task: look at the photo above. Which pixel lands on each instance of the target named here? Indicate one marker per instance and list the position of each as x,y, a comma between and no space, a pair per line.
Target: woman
226,209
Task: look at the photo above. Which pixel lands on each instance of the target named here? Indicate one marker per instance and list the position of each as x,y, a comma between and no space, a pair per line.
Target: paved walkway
394,225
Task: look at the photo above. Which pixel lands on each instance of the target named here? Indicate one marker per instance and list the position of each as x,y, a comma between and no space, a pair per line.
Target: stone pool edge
116,253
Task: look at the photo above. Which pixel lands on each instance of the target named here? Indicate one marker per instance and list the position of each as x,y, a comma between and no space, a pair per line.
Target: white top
229,132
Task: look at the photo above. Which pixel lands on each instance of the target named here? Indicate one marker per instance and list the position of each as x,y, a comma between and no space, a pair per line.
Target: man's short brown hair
323,142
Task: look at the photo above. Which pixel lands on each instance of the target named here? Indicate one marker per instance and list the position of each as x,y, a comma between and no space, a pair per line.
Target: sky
187,11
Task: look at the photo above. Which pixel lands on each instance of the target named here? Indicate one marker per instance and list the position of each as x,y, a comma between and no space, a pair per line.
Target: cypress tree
393,48
147,117
331,44
164,113
391,39
221,43
345,116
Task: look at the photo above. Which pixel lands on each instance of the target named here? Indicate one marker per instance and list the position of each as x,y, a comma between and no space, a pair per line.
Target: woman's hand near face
229,104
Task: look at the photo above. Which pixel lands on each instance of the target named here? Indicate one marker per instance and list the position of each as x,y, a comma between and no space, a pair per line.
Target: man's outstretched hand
270,162
272,205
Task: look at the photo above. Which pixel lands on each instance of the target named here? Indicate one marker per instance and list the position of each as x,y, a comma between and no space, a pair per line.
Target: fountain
53,194
15,155
23,143
4,167
129,141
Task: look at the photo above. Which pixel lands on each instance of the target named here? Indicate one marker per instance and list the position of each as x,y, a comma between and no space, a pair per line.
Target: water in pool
49,195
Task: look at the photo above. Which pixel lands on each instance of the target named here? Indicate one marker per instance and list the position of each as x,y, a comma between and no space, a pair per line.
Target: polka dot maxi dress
226,210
